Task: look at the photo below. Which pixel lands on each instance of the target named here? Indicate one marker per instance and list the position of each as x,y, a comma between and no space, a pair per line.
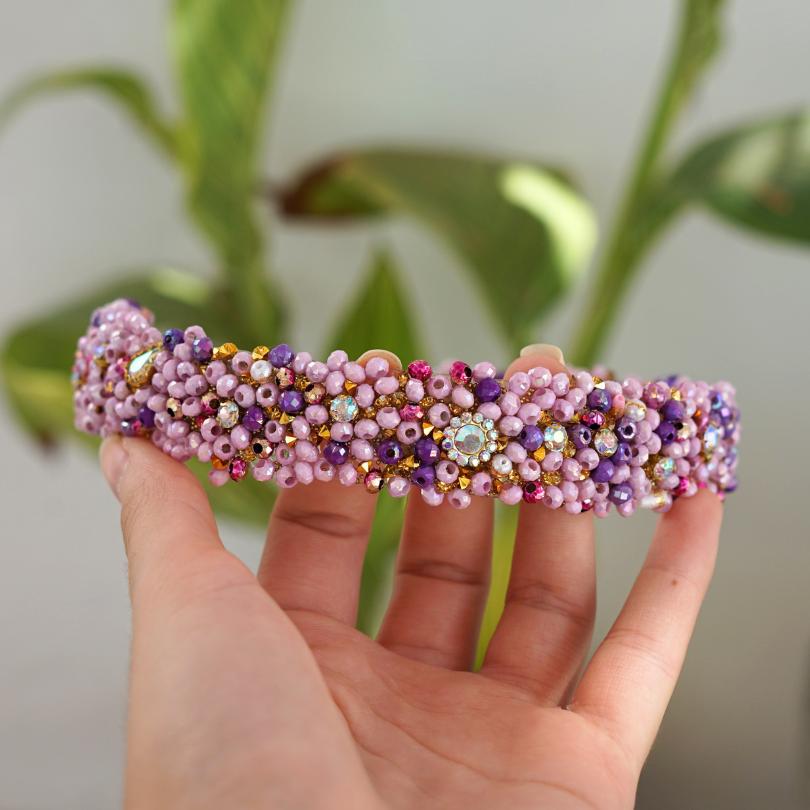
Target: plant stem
640,218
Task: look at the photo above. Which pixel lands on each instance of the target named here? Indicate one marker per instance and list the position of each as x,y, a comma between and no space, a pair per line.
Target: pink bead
182,353
267,395
584,381
377,367
263,469
226,385
366,429
483,371
317,371
347,475
552,461
388,418
244,395
573,507
354,372
409,432
341,431
463,397
241,363
560,384
223,448
185,370
362,450
563,410
654,443
529,413
301,361
576,396
218,477
439,415
174,389
205,452
274,431
285,477
515,452
316,414
632,388
540,377
386,385
587,490
544,399
414,390
511,494
334,382
284,455
626,509
509,403
447,471
529,469
458,499
519,383
510,426
364,395
439,386
303,472
553,497
210,429
490,410
240,437
336,360
300,428
431,496
618,402
571,469
398,487
481,483
587,457
306,451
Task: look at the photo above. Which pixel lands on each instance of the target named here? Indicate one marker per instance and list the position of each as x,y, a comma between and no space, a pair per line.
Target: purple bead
673,411
172,338
621,493
488,389
202,349
389,451
424,477
600,400
667,432
427,451
291,401
603,472
623,453
147,417
281,355
336,453
253,420
581,436
531,437
626,429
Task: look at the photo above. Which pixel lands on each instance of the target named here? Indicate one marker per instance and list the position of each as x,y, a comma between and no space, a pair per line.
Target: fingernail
113,458
546,349
393,361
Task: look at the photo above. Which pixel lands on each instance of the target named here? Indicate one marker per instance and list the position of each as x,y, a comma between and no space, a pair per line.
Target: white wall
82,196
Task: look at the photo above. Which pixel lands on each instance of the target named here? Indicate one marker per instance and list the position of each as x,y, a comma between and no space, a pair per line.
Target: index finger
628,684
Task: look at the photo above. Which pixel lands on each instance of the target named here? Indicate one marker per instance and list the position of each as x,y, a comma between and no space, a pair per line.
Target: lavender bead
427,451
291,401
603,472
173,338
531,437
488,389
424,477
336,453
253,420
581,436
600,400
673,411
281,355
202,349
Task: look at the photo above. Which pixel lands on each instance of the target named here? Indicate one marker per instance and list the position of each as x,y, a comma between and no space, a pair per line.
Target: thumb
167,522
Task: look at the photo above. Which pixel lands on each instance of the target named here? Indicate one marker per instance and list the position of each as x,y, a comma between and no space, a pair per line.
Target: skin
255,690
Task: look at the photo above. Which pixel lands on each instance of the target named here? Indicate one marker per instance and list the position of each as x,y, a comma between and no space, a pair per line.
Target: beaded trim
570,440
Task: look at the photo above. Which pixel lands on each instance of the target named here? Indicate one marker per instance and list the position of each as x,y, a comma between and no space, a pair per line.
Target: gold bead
225,351
553,477
260,352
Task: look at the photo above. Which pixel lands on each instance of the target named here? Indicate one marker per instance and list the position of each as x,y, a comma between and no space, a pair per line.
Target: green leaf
756,176
379,317
520,229
124,88
224,64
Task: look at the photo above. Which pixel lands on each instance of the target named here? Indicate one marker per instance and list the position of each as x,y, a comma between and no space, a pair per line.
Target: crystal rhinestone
711,438
555,437
635,410
605,442
285,377
140,367
455,422
314,393
469,440
663,468
343,408
228,414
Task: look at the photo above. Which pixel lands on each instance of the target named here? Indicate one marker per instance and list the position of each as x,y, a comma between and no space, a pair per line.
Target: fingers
441,583
316,541
629,682
544,632
170,535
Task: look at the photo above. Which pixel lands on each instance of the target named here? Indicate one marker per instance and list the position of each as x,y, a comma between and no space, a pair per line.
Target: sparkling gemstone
605,442
237,469
555,437
373,481
711,438
663,468
533,492
173,406
343,408
420,370
469,440
281,355
202,349
228,414
314,393
635,410
460,372
139,369
285,377
410,412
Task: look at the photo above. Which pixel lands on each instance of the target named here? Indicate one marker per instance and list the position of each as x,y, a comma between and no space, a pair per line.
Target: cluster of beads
570,440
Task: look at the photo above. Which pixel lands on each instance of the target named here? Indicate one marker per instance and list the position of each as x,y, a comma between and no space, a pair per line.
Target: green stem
640,219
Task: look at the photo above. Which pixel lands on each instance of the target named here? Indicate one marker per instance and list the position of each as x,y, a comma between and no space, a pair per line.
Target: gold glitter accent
364,467
552,478
225,351
403,379
302,383
570,450
427,428
349,386
218,464
324,432
539,454
676,394
464,481
274,413
497,485
443,487
260,352
290,440
410,462
285,418
427,402
381,402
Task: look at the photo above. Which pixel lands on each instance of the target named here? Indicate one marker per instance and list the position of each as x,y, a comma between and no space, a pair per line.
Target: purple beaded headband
569,440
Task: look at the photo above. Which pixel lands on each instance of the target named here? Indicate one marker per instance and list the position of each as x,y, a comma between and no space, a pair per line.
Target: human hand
257,692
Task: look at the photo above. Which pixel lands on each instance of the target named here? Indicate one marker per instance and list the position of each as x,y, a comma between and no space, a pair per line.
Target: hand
257,692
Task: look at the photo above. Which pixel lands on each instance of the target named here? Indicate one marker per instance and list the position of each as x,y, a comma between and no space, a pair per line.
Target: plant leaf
379,316
521,230
756,176
123,87
224,63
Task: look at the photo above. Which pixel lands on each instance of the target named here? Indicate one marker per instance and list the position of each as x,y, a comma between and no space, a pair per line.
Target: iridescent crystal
469,440
555,437
605,442
711,438
228,414
663,468
343,408
139,369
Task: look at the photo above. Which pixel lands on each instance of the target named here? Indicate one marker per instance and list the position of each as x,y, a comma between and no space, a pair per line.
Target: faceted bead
531,437
533,492
281,355
140,368
427,451
336,453
202,350
237,469
667,432
555,436
147,417
460,372
605,442
581,436
673,411
600,400
228,414
285,378
488,389
424,476
373,481
635,410
420,370
621,493
389,451
603,472
291,401
172,338
593,419
253,420
261,371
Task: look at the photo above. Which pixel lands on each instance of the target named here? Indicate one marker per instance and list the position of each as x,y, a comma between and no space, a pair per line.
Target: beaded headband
570,440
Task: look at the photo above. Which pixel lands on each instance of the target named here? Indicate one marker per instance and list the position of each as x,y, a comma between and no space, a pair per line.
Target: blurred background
711,252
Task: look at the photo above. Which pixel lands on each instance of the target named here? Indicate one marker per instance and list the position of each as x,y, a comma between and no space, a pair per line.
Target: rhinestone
455,422
555,437
663,468
635,410
478,418
469,439
343,408
711,438
139,369
228,414
605,442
